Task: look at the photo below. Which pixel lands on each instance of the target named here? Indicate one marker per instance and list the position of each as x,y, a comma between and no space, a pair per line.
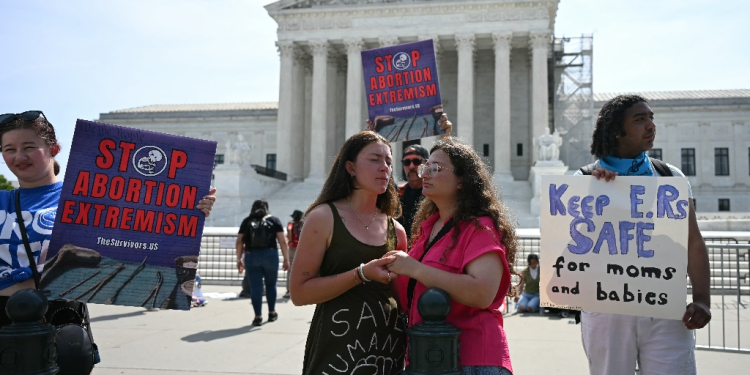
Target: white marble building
493,61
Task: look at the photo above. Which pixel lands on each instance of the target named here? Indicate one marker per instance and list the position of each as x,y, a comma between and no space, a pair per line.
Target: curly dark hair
477,197
610,123
339,184
41,126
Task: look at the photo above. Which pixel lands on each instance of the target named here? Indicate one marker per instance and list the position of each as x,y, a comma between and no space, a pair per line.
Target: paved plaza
218,339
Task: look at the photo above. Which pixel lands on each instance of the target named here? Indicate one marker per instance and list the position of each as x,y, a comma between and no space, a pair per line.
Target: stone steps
293,196
517,196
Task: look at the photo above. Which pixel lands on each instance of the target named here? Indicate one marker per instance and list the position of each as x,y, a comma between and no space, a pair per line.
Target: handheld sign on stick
402,91
615,247
126,228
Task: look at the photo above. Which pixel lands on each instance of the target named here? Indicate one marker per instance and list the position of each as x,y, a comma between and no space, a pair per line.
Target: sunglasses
430,170
27,116
408,162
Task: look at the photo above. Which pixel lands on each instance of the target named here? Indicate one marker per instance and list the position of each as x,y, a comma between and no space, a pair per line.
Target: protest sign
127,231
615,247
403,92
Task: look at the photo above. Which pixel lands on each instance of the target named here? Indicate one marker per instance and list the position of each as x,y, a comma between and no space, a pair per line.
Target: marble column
397,147
502,48
307,65
355,119
465,108
319,109
387,41
539,44
299,138
286,108
428,142
332,105
436,45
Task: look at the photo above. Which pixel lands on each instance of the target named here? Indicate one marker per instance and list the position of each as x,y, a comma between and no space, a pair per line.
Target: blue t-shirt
38,209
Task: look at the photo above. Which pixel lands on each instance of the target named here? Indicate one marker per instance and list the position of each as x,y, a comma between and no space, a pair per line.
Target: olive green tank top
362,327
530,285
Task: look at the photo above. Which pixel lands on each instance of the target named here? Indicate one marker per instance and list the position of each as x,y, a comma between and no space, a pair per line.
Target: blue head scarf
640,166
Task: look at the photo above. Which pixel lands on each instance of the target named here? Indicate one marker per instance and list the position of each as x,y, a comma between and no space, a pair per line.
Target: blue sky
78,58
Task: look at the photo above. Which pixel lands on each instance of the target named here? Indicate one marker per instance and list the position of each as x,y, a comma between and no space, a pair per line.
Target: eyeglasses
431,170
28,116
416,162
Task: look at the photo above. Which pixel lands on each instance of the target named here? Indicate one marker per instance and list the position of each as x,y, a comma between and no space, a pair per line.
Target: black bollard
433,344
27,346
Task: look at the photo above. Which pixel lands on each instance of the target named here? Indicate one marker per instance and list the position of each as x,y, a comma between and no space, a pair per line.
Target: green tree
4,184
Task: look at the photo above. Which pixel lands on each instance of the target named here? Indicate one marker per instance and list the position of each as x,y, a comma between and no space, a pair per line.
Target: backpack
661,168
258,233
294,230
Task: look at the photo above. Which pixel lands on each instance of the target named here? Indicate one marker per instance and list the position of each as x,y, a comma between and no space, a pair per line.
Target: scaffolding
573,98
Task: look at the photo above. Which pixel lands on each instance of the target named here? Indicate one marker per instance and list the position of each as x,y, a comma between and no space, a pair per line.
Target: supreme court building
492,64
505,81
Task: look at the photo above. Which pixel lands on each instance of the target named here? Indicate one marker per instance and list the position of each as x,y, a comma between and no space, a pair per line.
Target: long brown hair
41,126
477,197
339,184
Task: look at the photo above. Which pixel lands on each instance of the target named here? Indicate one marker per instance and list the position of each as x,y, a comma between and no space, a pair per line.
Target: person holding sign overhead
464,243
410,193
29,146
624,132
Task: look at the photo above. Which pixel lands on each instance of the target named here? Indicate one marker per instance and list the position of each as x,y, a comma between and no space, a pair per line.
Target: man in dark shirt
410,193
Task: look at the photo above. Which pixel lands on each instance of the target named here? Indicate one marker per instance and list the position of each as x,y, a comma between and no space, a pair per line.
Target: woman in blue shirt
29,146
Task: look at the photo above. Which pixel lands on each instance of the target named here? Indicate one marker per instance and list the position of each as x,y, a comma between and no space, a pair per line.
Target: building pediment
301,16
305,4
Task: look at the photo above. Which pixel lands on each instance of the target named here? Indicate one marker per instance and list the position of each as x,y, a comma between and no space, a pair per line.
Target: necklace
367,226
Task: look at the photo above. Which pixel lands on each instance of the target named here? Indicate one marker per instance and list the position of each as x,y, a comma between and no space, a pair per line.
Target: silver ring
389,277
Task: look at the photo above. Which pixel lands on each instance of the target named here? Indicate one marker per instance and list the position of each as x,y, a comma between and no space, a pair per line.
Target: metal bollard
433,344
27,346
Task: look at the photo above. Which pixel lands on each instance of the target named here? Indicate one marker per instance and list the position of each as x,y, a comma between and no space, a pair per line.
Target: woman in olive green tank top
340,266
529,285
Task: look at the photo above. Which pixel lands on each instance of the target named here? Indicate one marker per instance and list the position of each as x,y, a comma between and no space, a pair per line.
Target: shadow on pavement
206,336
549,316
117,316
278,300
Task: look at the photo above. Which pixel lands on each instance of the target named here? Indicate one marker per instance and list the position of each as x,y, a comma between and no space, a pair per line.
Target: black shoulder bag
76,351
413,282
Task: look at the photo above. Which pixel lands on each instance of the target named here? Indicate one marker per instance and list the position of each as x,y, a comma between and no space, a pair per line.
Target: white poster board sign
615,247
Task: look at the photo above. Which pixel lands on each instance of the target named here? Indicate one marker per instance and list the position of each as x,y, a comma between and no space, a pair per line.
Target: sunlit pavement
219,339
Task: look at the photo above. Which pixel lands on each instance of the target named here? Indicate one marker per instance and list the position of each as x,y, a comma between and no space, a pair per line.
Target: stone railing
724,221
